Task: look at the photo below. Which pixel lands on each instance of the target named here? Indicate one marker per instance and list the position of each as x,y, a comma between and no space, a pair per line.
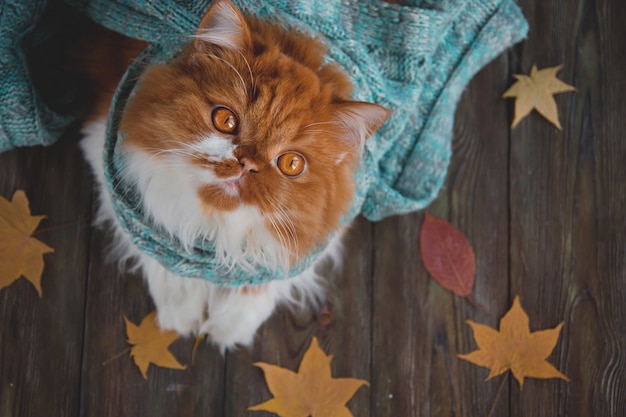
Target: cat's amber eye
224,120
291,164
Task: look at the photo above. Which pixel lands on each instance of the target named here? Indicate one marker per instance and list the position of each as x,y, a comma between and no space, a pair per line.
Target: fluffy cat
247,139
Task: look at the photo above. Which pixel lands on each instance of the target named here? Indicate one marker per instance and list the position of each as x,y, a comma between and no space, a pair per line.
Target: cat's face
251,113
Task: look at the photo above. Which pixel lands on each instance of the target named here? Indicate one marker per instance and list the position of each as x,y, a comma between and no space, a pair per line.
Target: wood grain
41,339
115,387
567,235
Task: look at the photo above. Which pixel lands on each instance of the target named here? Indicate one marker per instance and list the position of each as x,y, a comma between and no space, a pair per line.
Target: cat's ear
357,121
224,26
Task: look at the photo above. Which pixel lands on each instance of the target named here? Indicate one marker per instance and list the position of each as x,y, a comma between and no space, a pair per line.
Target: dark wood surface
544,209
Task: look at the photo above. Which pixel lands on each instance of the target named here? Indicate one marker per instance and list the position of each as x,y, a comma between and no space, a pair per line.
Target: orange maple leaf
535,92
312,391
514,347
20,254
150,345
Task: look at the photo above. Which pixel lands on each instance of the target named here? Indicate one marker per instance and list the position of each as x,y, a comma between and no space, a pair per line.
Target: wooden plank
41,338
478,205
346,327
607,89
280,341
341,325
567,220
418,326
117,387
401,349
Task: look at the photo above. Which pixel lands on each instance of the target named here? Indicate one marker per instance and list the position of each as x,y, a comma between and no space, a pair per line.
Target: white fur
231,316
360,119
216,148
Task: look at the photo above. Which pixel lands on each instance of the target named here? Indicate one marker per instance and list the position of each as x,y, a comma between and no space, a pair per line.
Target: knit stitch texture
25,119
415,60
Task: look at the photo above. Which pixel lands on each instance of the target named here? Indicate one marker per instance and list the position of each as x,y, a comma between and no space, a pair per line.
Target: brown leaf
310,392
535,92
514,347
20,254
447,255
150,345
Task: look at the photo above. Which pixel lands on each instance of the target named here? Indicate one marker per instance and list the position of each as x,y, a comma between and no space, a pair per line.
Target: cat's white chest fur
230,316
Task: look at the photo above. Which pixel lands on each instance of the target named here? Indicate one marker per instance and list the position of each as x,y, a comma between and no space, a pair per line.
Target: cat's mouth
231,187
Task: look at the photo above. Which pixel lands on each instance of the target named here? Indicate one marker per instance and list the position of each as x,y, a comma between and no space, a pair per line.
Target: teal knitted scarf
413,59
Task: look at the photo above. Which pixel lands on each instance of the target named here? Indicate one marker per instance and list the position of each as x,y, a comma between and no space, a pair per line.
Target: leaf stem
116,356
475,304
199,339
495,400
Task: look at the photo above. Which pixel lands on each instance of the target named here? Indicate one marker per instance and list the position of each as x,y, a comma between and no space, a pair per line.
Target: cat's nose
247,166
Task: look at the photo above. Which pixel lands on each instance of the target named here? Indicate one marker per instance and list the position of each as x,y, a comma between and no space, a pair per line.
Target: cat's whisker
120,182
202,154
288,213
275,226
290,235
190,146
245,88
185,179
317,131
287,230
318,123
291,229
289,238
273,221
174,152
250,71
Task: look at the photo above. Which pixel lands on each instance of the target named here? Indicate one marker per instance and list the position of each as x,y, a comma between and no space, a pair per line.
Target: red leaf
447,255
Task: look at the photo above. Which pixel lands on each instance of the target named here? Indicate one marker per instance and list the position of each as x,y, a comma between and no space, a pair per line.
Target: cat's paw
227,337
185,320
181,303
235,317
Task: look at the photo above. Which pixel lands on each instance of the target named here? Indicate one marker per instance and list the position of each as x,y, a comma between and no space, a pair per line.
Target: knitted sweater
413,59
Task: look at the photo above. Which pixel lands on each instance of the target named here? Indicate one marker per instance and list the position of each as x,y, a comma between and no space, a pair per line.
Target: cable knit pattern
413,59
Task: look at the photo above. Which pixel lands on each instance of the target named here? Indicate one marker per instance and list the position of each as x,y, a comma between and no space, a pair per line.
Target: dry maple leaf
514,347
447,255
20,253
312,391
535,92
150,345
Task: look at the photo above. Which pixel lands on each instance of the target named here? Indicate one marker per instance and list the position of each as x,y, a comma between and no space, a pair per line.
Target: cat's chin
218,197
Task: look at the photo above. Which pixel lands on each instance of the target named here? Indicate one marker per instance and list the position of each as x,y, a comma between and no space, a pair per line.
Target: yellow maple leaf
312,391
536,92
150,345
514,347
20,253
